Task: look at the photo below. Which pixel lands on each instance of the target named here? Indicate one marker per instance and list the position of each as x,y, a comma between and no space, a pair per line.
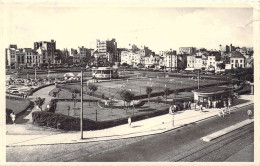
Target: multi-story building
47,49
237,60
10,55
80,53
15,57
32,59
198,64
108,49
187,50
20,56
130,58
169,59
191,61
151,60
213,58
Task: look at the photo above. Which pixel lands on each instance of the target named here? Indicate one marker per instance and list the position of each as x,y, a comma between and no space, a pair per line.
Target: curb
227,130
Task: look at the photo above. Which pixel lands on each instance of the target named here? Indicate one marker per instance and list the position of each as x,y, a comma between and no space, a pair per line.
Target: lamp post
81,112
198,79
165,94
35,74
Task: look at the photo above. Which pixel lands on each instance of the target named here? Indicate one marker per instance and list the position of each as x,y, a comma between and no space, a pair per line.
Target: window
241,61
232,61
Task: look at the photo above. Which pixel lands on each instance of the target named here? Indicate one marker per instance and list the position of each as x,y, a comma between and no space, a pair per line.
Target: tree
166,92
39,102
149,90
127,96
93,88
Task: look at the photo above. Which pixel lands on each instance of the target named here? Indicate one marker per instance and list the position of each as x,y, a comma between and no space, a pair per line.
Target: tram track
197,153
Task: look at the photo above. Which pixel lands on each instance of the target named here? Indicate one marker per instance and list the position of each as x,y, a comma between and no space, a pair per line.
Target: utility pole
81,113
35,73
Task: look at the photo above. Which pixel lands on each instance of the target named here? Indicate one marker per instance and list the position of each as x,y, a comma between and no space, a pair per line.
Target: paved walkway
149,126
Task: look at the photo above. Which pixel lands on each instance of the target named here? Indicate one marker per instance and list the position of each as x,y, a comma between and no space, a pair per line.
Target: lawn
17,105
103,114
138,85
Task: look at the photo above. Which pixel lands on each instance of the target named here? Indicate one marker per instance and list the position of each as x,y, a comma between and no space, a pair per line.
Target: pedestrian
201,108
249,113
209,104
184,105
171,110
12,115
129,121
189,105
223,112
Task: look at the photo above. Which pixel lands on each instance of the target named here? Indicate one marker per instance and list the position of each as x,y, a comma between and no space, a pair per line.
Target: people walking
189,105
201,108
12,115
129,121
250,114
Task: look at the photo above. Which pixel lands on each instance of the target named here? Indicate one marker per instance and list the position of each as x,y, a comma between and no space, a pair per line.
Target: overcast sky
157,28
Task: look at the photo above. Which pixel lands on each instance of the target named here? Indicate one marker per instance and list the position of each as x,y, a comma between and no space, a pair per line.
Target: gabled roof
216,54
236,54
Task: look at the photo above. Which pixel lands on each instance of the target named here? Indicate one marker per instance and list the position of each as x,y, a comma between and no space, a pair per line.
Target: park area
92,111
112,89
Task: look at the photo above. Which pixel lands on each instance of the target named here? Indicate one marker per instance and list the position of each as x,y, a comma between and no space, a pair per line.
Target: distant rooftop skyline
160,29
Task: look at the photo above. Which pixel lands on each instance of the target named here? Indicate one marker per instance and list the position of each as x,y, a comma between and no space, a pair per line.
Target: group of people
24,95
174,108
187,105
226,109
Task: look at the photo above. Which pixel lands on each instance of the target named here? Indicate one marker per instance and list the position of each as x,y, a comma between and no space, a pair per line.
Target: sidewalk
43,93
149,126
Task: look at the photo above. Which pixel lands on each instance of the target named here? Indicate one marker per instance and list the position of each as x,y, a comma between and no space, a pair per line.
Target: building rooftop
28,49
236,54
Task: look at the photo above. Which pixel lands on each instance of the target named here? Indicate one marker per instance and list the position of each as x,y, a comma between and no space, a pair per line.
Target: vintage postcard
138,82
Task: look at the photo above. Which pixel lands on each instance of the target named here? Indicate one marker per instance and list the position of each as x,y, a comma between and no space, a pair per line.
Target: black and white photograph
92,81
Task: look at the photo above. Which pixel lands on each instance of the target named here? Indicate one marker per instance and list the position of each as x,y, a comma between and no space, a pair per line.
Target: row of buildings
191,59
107,52
42,52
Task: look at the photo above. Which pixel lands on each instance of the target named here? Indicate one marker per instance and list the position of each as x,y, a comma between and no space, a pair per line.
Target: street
182,144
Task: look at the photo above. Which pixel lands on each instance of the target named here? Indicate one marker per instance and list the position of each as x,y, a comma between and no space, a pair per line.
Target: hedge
64,122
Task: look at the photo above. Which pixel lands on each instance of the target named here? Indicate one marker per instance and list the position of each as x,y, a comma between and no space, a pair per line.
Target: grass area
89,111
17,105
138,85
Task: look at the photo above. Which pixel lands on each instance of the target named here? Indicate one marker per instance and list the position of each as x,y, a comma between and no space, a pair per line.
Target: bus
104,73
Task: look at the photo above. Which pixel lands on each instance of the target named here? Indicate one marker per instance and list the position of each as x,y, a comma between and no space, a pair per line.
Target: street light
81,100
165,94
